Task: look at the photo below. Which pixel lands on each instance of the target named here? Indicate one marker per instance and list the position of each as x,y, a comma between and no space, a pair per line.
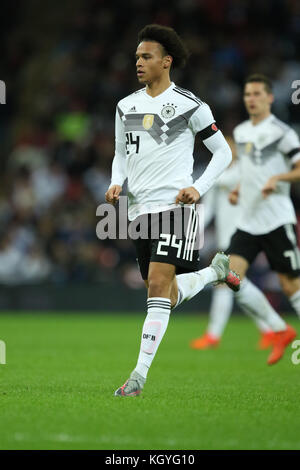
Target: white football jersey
217,206
155,143
266,149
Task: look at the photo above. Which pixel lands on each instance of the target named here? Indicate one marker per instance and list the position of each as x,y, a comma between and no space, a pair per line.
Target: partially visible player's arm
221,158
290,146
292,176
118,174
209,202
203,122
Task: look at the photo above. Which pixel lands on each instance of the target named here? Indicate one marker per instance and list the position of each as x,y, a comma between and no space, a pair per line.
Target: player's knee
239,265
159,285
289,285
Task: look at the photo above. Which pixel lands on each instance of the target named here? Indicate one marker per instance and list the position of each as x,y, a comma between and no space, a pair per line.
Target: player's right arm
118,174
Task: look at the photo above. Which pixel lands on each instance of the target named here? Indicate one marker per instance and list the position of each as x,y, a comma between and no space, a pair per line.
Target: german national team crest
148,121
248,147
168,111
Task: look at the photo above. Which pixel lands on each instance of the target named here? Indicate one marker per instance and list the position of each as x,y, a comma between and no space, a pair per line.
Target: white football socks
252,301
220,310
261,324
295,302
155,325
190,284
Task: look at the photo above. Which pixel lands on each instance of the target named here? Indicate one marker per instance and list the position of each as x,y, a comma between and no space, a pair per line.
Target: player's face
150,62
256,98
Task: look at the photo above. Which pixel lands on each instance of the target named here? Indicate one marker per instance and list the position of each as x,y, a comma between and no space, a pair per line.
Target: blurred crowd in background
66,65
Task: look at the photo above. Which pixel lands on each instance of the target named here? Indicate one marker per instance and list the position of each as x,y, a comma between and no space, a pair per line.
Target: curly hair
169,40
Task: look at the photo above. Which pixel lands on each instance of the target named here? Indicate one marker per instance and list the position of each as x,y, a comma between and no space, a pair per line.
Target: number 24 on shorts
168,240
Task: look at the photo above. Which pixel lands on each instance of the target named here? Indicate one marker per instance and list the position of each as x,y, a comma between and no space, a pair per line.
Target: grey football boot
132,387
220,264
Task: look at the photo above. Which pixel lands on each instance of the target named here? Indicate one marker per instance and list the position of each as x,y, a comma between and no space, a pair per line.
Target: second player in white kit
269,161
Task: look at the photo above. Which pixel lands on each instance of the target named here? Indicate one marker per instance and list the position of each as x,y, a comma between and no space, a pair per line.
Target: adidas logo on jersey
132,110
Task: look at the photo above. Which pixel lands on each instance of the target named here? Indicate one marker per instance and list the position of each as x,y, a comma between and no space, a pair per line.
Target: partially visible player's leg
243,249
220,310
250,298
266,333
221,307
253,301
281,249
190,284
291,287
186,286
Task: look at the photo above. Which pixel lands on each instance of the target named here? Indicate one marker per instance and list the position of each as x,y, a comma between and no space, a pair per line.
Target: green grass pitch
56,389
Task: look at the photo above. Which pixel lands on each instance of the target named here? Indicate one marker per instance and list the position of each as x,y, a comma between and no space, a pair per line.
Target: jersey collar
161,94
264,121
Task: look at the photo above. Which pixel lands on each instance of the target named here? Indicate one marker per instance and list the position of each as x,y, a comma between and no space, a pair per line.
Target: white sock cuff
159,305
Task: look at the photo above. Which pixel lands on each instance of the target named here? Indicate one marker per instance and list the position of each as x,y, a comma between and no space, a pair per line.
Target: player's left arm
203,122
290,146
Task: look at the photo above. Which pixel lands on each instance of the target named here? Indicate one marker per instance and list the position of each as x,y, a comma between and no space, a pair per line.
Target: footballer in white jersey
155,133
268,161
154,146
265,149
154,151
267,220
268,152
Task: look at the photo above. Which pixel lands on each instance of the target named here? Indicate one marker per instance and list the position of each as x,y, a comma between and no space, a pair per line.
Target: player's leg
251,300
220,310
254,303
280,247
286,262
186,286
291,288
243,300
183,251
220,306
160,279
264,315
190,284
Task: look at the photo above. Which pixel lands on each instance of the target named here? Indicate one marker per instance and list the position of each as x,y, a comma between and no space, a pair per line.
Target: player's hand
234,197
270,186
112,195
188,196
